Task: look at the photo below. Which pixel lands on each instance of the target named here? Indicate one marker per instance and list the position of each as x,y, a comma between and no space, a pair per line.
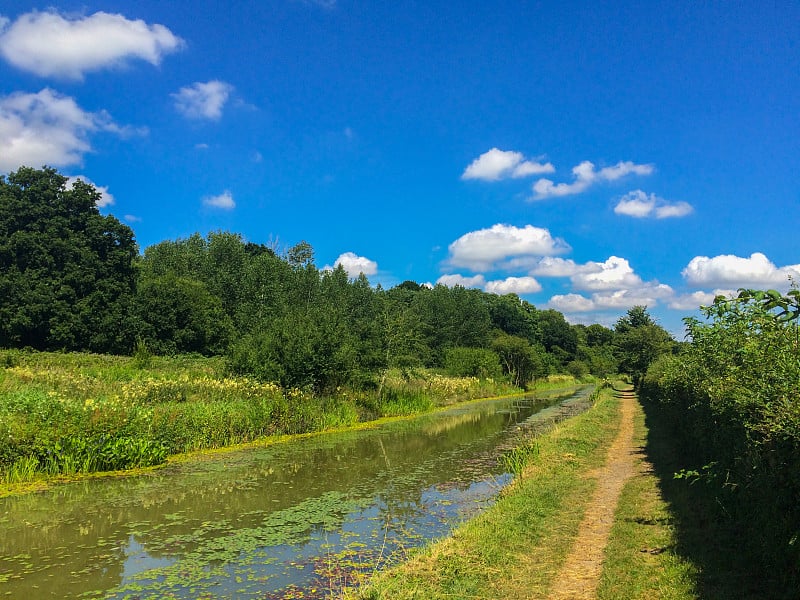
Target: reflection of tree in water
243,499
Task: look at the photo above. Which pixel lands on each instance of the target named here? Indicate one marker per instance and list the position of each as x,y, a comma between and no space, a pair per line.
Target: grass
642,557
700,551
514,549
668,540
77,413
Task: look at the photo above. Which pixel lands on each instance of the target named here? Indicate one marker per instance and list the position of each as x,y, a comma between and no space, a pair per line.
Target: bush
472,362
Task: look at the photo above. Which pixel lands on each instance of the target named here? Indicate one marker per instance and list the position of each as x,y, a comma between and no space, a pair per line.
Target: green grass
77,413
514,549
642,557
706,553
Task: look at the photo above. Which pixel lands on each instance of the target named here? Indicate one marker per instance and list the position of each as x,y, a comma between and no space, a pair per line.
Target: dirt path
580,574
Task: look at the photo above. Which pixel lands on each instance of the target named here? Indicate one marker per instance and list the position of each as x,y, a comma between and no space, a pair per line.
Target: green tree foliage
72,279
558,336
179,315
452,317
521,361
66,272
638,341
472,362
513,316
732,399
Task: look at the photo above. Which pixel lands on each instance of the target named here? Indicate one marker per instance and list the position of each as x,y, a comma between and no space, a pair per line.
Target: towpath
580,574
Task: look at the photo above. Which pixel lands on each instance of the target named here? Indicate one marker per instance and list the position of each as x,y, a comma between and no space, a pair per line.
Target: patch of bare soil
580,574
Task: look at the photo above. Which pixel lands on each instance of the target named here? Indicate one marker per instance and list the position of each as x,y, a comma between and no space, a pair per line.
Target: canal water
296,519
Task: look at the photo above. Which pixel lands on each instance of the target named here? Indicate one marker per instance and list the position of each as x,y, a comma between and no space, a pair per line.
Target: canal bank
288,520
516,548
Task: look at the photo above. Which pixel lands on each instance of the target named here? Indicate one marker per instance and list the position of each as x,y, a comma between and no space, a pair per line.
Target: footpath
579,576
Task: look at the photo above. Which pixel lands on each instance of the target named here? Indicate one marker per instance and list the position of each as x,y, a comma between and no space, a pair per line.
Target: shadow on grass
728,562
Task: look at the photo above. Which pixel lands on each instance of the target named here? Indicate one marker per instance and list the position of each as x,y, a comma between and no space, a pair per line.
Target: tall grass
78,413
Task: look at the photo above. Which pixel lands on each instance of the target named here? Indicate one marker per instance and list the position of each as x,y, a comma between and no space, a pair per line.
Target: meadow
69,413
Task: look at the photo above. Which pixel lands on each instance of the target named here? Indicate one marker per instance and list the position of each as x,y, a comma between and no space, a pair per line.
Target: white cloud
203,100
585,175
613,274
223,201
551,266
500,164
106,198
132,218
678,209
51,45
571,303
728,270
355,265
513,285
481,250
640,205
46,128
476,281
695,300
647,294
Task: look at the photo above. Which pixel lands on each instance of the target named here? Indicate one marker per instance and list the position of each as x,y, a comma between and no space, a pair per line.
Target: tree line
72,279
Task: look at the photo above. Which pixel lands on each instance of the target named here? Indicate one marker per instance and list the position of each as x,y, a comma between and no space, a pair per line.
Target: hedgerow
732,399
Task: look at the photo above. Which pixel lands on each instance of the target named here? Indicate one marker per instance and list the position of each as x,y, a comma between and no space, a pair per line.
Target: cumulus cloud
476,281
647,294
640,205
513,285
552,266
613,274
223,201
203,100
499,164
728,270
106,198
695,300
486,248
571,303
585,176
355,265
51,45
47,128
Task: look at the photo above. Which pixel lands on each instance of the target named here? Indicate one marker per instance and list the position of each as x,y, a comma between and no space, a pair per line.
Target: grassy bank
514,549
642,557
62,414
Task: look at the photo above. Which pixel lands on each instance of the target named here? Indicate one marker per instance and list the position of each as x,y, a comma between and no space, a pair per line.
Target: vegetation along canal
296,519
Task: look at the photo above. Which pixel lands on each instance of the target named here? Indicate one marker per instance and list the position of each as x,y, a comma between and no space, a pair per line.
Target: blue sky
586,157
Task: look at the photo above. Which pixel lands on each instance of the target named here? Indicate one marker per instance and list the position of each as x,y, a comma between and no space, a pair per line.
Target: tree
638,341
66,272
514,316
558,336
179,314
521,361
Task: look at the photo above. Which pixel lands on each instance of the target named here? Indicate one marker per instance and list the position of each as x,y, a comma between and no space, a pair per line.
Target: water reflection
311,514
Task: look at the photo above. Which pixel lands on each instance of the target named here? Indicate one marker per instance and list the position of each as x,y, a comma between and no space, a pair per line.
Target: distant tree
179,314
521,361
638,341
598,335
452,317
514,316
66,272
558,336
472,362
